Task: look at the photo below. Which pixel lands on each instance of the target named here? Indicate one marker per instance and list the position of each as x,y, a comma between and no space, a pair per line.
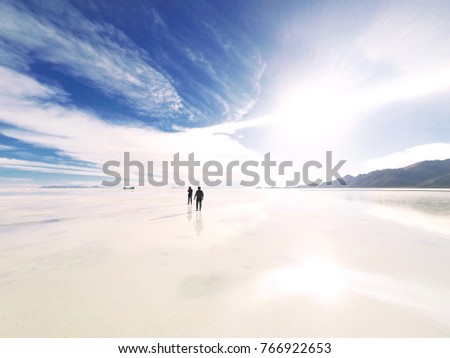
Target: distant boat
128,188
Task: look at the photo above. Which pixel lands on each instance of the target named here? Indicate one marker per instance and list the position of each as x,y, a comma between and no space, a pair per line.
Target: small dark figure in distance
198,199
190,195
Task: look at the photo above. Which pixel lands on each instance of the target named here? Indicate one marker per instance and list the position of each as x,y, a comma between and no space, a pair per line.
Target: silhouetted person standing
190,195
198,199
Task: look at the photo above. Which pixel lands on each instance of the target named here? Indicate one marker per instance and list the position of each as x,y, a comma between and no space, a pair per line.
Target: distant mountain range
427,174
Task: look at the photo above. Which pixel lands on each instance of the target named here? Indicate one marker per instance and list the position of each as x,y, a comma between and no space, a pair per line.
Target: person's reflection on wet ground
189,213
198,224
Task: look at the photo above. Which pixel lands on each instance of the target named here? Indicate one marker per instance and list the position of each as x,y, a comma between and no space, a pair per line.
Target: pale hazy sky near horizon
83,81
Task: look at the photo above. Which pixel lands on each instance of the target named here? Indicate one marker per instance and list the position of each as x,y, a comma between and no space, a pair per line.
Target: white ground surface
254,263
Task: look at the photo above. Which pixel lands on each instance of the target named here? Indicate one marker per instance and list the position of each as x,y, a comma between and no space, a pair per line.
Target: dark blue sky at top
222,57
216,53
213,52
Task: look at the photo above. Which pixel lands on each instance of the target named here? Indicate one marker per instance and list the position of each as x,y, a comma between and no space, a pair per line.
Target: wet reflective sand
278,263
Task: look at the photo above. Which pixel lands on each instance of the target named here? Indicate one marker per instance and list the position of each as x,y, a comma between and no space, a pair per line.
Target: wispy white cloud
408,36
407,43
105,58
350,73
17,86
38,120
5,147
13,182
46,167
432,151
229,64
97,53
400,54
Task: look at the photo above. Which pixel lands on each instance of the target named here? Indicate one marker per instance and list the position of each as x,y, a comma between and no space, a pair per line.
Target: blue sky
83,81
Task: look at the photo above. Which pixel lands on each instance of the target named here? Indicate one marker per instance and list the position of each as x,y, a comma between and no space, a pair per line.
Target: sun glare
317,278
313,109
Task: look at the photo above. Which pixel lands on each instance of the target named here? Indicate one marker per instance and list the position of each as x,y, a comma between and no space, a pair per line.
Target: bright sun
316,108
311,109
